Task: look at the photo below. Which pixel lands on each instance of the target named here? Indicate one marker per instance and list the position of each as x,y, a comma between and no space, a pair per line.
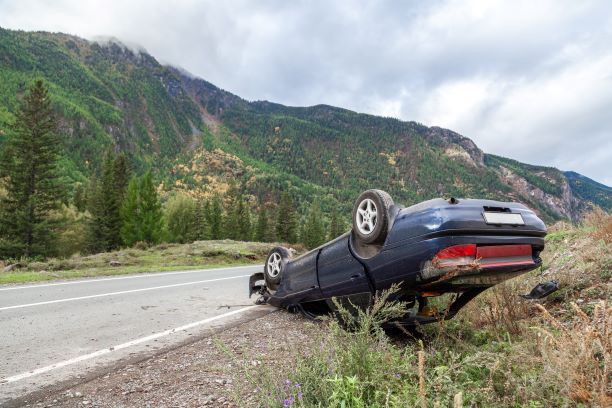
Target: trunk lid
466,216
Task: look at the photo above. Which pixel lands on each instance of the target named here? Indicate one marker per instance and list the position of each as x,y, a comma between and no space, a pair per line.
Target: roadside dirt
208,372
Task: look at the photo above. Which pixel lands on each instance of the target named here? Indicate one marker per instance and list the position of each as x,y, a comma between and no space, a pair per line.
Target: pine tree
105,204
243,218
231,225
79,199
261,228
96,227
286,225
130,230
151,212
110,199
29,167
122,174
105,222
216,219
141,212
201,230
270,234
336,226
313,228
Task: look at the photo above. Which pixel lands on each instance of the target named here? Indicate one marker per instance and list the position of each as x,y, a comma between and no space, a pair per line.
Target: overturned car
436,247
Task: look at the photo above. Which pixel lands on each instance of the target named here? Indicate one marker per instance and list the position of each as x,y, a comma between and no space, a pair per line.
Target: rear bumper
460,278
411,264
471,265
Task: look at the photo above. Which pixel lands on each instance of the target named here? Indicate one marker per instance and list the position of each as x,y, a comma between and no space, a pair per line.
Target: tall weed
578,356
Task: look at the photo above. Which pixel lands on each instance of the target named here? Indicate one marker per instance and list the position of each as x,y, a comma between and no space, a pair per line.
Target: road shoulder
158,375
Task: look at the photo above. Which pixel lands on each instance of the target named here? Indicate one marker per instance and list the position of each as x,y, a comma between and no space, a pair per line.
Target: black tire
371,222
272,275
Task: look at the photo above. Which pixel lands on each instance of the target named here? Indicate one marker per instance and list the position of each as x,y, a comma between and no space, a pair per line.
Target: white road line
120,346
48,302
143,275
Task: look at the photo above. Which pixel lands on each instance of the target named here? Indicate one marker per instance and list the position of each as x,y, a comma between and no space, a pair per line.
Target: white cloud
529,80
561,118
456,102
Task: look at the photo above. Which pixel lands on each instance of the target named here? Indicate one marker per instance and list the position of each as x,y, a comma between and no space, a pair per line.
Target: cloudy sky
531,80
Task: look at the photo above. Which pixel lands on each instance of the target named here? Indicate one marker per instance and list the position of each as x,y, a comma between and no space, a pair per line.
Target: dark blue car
438,246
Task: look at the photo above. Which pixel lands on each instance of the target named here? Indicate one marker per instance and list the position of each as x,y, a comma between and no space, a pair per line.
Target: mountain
200,138
590,190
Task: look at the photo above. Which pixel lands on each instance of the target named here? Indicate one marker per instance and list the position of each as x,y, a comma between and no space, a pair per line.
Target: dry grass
422,395
502,310
579,257
578,355
573,343
601,223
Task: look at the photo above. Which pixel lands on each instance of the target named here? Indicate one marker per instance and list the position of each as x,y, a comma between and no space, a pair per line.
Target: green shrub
179,214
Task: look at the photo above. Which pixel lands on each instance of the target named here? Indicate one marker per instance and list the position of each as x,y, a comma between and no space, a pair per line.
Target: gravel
208,372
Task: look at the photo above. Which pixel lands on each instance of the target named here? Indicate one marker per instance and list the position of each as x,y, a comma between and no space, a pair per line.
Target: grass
163,257
500,351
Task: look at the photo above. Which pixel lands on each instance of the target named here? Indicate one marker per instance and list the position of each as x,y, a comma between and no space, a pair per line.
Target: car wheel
275,266
371,216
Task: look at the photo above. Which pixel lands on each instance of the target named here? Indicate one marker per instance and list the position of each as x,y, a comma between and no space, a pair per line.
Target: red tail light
457,250
484,256
456,255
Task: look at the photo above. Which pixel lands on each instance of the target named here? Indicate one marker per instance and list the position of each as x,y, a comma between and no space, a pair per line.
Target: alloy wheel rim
367,216
274,265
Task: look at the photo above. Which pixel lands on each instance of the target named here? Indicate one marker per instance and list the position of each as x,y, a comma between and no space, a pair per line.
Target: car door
339,273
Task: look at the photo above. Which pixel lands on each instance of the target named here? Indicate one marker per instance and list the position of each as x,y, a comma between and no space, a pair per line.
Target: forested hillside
590,190
208,144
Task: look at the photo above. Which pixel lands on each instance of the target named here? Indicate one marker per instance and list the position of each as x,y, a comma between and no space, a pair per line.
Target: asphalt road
52,332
